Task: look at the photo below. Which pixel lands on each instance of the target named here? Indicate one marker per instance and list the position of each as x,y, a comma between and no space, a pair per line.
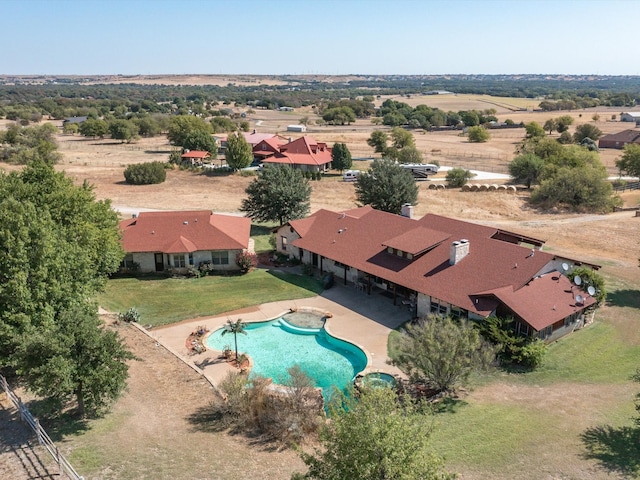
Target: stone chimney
407,210
459,250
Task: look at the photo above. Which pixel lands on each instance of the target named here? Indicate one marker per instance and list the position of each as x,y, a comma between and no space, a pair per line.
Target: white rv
420,171
350,175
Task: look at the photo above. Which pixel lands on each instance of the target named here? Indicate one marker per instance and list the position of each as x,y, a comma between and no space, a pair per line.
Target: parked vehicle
421,171
350,175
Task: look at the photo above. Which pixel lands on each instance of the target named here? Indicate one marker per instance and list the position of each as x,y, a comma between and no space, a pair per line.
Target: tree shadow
57,425
213,418
617,449
210,419
160,152
448,405
258,230
624,298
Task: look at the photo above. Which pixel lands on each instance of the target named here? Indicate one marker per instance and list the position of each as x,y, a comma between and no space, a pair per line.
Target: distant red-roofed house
195,157
620,139
304,153
176,240
268,147
444,266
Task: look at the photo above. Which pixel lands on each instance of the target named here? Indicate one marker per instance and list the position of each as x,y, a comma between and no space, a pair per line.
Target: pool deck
362,319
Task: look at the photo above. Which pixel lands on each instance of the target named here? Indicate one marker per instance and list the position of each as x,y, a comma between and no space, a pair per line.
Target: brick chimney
459,250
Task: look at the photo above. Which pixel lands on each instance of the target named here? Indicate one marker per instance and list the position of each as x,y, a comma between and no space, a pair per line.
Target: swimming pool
275,346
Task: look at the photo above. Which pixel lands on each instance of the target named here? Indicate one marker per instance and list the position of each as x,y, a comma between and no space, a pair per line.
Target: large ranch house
443,266
177,240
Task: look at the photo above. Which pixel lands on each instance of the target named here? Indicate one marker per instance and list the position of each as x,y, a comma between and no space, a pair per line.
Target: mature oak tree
182,125
58,244
375,436
386,186
478,134
279,194
629,162
526,168
586,131
201,140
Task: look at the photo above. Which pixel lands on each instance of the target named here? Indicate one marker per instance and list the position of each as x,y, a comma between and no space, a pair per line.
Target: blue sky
319,37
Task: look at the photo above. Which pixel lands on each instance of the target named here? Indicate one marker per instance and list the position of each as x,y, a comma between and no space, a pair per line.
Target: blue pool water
276,346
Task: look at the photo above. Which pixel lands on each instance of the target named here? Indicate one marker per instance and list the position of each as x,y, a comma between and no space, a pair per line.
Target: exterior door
314,260
159,257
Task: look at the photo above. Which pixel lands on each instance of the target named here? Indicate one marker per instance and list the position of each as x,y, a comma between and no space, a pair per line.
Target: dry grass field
152,433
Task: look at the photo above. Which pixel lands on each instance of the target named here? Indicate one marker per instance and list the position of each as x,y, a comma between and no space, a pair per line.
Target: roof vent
185,223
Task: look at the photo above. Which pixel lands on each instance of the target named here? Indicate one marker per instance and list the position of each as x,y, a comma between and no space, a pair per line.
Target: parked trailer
420,171
350,175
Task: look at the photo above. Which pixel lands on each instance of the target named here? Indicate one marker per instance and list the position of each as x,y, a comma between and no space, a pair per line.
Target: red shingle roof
196,154
302,151
358,239
186,231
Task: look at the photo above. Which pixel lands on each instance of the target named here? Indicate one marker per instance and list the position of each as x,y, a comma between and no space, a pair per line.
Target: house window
220,257
457,312
283,241
190,258
409,256
342,265
438,308
179,261
128,262
389,250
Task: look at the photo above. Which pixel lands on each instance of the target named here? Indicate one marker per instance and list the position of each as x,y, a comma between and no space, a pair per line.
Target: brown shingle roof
184,231
417,240
545,300
626,136
358,239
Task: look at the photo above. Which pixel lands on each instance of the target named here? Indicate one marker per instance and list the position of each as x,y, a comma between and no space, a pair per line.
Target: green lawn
531,415
261,234
167,300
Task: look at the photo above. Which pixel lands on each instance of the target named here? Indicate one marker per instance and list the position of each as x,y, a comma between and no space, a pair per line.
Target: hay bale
511,189
493,188
483,188
432,186
474,187
502,188
466,187
441,186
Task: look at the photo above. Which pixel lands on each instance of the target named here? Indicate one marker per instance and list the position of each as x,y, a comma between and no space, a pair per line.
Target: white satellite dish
565,267
579,299
577,280
591,290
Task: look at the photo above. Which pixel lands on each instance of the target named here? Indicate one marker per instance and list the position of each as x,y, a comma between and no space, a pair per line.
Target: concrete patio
357,317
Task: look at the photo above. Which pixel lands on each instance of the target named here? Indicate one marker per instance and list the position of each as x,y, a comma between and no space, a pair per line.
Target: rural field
545,425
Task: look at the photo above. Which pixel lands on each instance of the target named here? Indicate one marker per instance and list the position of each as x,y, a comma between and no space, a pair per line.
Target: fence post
38,432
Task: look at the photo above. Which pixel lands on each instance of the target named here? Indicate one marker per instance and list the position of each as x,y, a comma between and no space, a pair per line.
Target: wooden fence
627,186
43,439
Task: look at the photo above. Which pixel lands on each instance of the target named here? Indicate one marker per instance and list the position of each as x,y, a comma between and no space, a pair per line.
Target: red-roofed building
159,241
304,153
620,139
444,266
195,157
